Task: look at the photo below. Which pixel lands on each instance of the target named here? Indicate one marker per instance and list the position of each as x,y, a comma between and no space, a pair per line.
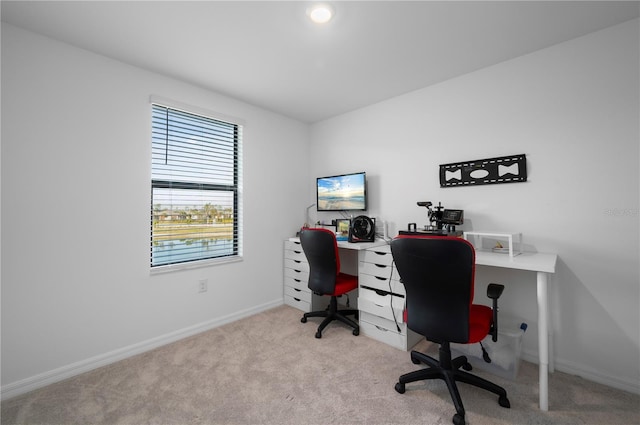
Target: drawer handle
378,305
381,292
380,278
297,299
297,261
298,252
297,280
297,290
380,329
297,271
382,266
380,252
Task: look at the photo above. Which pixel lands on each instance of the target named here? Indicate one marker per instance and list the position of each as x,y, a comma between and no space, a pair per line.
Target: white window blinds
194,187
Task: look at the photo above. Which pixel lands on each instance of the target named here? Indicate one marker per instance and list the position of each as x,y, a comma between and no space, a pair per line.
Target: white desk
543,265
360,245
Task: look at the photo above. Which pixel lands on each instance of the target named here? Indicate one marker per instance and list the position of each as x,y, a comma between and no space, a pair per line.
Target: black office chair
321,249
438,276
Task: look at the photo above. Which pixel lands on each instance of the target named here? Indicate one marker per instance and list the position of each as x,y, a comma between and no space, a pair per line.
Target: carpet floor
270,369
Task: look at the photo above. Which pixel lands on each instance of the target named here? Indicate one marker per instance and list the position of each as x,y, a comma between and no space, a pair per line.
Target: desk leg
543,340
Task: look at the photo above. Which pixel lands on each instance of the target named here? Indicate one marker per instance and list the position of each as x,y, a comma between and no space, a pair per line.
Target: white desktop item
512,240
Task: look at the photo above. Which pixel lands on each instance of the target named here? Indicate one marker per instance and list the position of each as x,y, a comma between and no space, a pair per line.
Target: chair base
448,370
332,313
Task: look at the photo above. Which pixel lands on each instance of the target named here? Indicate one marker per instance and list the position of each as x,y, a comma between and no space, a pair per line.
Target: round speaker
362,229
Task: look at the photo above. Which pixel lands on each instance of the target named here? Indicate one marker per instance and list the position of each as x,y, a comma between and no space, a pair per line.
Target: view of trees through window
191,231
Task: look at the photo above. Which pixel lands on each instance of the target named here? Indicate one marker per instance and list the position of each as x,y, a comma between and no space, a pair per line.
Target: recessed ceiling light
320,13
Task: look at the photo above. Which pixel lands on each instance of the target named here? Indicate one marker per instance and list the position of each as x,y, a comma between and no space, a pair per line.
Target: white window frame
237,253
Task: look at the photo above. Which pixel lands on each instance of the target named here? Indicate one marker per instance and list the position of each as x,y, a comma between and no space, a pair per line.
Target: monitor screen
346,192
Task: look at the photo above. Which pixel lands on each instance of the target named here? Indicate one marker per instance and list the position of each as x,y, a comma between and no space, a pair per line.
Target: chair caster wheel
504,402
303,320
400,388
318,334
356,332
458,419
467,367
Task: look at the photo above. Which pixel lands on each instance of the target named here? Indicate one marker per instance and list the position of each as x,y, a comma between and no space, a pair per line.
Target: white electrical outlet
202,285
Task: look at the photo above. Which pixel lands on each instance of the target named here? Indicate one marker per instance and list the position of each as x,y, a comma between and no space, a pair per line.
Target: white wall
573,110
76,287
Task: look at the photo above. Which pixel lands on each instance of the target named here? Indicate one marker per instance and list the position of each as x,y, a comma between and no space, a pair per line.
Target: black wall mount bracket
504,169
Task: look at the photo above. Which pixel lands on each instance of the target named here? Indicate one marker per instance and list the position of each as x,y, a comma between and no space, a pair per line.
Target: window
195,162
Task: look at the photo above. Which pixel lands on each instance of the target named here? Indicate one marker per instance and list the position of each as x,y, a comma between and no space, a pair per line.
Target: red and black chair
321,249
438,276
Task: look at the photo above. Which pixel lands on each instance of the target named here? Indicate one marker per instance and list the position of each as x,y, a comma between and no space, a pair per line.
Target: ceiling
270,55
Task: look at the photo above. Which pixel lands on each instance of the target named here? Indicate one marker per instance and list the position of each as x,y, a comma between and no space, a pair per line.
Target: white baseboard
43,379
588,373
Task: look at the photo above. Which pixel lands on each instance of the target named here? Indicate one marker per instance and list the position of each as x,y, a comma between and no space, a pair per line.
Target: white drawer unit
296,277
381,303
299,265
376,270
293,250
381,299
387,331
298,303
381,283
380,270
378,255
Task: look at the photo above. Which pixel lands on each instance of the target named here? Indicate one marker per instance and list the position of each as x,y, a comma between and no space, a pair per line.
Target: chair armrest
494,291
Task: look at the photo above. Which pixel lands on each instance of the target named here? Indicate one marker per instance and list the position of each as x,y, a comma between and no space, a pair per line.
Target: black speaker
362,229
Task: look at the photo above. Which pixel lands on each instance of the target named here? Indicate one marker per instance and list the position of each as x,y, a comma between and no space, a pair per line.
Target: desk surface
354,245
532,261
361,245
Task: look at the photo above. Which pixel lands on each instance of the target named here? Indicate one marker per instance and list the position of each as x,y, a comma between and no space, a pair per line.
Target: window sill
194,265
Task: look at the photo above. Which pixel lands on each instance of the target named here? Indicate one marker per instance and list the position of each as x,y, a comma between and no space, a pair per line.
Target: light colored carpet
269,369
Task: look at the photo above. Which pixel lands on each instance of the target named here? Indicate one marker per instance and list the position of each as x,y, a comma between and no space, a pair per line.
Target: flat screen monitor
346,192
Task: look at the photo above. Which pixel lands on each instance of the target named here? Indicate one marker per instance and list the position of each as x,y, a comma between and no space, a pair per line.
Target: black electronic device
455,217
362,229
442,219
